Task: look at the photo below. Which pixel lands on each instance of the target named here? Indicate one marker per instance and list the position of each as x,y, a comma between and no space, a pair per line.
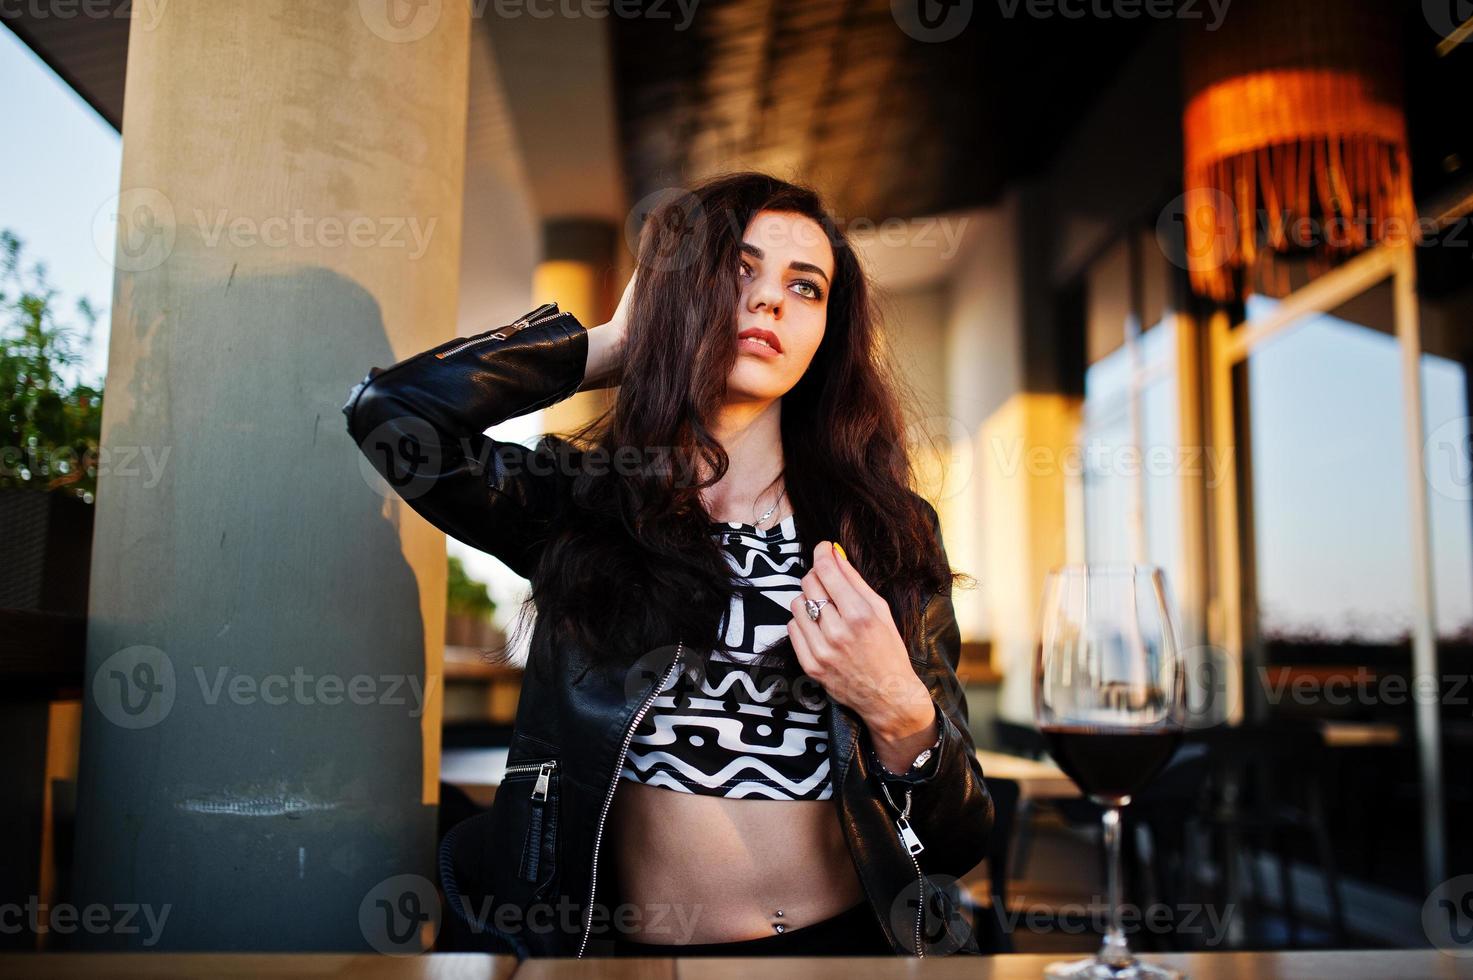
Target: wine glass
1109,698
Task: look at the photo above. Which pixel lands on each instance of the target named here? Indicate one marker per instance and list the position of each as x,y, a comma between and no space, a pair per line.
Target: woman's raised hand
605,367
620,320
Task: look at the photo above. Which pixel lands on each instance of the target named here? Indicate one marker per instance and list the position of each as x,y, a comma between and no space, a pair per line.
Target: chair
993,933
1267,788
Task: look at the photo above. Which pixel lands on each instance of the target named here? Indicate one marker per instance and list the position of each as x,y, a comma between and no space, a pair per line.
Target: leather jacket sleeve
950,807
421,421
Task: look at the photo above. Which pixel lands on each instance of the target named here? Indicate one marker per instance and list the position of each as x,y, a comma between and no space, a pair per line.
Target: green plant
467,596
49,429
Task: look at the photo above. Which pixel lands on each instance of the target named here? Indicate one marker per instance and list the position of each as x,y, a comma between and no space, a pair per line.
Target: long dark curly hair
635,566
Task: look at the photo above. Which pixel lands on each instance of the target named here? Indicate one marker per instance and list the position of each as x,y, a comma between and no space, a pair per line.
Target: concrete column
578,270
260,744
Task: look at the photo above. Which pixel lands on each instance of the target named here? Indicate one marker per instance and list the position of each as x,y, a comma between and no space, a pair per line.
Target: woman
740,730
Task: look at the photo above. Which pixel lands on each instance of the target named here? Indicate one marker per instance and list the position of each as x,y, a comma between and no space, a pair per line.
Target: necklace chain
758,522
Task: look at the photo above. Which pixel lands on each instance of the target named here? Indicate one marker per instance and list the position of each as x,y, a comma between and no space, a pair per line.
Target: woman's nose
766,294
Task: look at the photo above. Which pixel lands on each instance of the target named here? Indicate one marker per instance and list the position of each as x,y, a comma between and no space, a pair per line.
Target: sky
1332,508
52,195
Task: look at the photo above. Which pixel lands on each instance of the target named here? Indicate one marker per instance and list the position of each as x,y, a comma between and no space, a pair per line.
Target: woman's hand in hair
605,367
620,319
856,652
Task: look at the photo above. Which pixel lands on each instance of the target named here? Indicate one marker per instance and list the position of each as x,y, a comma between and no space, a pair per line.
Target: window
1327,565
1131,454
1336,563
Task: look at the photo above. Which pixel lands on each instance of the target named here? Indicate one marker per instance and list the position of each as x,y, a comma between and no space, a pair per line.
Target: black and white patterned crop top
742,730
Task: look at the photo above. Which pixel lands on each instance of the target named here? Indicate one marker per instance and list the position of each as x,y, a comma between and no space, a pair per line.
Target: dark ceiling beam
885,124
88,53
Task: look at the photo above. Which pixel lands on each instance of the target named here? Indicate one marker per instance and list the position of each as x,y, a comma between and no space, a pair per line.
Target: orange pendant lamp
1295,139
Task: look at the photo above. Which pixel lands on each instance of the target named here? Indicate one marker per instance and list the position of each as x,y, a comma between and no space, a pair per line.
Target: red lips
766,335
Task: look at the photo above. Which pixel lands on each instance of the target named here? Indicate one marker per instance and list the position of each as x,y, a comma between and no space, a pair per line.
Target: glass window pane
1107,383
1161,473
1158,346
1108,493
1330,563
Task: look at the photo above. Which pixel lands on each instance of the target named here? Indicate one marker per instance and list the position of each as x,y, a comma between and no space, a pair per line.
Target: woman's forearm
605,357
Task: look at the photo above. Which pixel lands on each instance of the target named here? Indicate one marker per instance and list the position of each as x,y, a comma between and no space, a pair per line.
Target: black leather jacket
524,876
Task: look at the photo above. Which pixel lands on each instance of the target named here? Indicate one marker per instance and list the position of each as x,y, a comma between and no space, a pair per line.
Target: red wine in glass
1110,765
1109,696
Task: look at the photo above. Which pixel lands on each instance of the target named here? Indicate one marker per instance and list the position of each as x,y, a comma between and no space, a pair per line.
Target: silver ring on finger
815,607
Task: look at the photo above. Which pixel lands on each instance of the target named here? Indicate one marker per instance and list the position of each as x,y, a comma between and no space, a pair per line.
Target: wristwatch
920,766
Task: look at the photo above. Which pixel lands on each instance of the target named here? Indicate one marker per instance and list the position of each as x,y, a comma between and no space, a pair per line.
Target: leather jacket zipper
544,772
543,313
913,846
537,818
609,796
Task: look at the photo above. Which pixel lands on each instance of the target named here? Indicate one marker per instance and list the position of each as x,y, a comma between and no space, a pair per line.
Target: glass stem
1114,952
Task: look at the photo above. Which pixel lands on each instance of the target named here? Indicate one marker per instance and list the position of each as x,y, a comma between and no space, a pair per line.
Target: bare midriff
707,869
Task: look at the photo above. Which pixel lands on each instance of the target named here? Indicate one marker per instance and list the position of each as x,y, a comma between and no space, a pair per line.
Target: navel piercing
780,927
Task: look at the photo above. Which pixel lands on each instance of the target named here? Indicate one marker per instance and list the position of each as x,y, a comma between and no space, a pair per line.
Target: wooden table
1037,779
248,966
478,772
1350,965
1395,965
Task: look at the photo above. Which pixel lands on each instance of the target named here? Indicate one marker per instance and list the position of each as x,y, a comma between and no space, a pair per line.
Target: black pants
853,932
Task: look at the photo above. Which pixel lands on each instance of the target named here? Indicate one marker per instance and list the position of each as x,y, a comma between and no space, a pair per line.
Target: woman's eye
745,270
812,290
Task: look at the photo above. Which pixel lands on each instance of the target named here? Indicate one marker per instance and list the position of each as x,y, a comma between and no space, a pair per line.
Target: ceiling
835,92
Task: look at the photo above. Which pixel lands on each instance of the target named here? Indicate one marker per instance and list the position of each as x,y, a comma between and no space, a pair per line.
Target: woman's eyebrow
808,267
749,249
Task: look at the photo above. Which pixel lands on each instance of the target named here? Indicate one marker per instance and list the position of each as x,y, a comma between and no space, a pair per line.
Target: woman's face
786,268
